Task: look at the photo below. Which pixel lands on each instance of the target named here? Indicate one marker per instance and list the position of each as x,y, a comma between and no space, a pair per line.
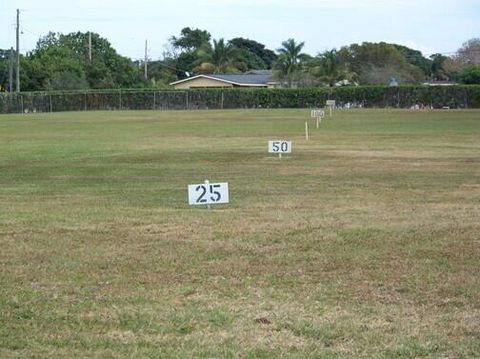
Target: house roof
247,79
259,72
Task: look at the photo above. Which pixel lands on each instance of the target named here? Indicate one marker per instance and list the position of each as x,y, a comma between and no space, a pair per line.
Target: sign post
209,206
318,114
331,105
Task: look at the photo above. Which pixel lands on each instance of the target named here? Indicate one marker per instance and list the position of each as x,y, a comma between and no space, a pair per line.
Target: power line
159,63
24,29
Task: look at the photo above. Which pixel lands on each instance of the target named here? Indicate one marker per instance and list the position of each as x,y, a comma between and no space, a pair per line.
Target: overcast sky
427,25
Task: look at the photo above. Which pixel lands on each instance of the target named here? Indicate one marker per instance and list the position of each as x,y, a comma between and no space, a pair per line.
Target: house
251,79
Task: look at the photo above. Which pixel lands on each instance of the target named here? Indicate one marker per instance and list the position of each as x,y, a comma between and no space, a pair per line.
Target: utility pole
89,46
17,89
146,61
10,71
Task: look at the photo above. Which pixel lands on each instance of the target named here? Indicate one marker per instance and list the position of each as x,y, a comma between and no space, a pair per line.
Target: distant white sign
331,103
208,193
279,146
317,113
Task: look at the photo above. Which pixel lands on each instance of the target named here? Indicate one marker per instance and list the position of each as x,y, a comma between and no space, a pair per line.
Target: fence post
186,100
223,99
85,99
154,101
50,101
120,100
21,103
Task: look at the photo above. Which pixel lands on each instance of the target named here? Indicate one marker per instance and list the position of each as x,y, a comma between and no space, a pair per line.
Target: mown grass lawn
364,242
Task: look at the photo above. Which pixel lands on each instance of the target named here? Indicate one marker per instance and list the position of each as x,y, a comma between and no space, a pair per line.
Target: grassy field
363,243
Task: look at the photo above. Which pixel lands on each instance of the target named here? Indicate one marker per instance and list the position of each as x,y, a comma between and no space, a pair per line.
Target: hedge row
364,96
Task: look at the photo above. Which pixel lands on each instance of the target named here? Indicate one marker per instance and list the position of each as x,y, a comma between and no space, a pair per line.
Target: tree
290,60
250,61
4,69
185,63
49,58
162,72
222,56
183,53
190,39
377,63
107,69
415,57
258,53
469,53
452,68
329,68
471,75
437,70
61,61
65,80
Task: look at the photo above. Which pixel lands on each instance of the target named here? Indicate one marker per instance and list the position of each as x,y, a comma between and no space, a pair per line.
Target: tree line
79,61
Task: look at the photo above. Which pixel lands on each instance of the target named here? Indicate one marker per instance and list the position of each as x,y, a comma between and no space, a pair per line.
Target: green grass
364,242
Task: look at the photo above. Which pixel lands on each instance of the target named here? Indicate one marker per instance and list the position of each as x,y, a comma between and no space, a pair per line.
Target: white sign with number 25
279,146
208,193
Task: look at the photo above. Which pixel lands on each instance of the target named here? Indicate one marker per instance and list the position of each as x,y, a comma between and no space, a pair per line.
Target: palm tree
290,59
220,57
330,68
327,67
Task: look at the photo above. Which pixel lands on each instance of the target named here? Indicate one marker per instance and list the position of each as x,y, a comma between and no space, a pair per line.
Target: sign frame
317,113
208,193
280,147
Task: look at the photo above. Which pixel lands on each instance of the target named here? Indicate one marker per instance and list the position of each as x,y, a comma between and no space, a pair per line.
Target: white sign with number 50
279,146
208,193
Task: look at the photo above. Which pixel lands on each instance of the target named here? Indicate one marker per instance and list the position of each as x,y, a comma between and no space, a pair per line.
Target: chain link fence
374,96
93,101
116,100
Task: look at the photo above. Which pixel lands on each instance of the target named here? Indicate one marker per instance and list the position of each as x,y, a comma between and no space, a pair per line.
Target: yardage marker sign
317,113
208,193
279,146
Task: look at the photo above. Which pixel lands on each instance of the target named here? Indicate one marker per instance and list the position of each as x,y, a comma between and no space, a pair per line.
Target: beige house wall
201,82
